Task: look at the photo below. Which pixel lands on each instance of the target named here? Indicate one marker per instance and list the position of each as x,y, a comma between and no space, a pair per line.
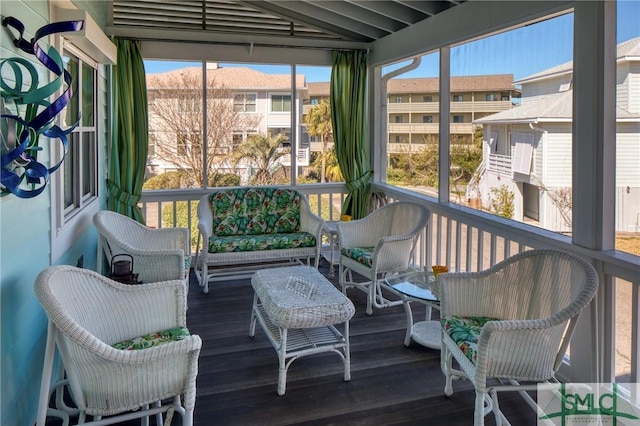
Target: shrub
501,202
170,180
182,215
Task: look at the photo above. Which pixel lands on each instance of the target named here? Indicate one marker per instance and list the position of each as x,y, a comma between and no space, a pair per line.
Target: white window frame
458,98
271,95
243,105
67,224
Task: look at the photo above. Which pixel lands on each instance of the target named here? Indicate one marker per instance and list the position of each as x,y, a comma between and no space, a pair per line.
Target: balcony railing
471,240
457,128
500,164
433,107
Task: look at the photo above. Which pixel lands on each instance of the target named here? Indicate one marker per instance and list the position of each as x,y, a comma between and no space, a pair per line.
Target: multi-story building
262,103
529,148
240,102
413,108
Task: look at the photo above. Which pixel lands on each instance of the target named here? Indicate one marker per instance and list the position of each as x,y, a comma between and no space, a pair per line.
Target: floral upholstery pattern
153,339
255,211
465,332
236,243
363,255
187,266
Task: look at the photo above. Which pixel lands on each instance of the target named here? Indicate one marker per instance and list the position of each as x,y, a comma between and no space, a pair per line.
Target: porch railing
471,240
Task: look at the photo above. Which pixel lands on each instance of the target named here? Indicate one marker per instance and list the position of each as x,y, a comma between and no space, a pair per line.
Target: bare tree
176,121
562,198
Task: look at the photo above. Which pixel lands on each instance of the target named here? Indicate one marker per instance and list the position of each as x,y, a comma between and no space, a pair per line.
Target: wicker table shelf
299,324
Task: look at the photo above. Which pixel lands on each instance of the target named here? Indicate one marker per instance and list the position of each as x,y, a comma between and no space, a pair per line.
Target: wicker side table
298,309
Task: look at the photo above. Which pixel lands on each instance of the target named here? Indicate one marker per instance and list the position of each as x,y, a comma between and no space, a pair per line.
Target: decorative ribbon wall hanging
27,113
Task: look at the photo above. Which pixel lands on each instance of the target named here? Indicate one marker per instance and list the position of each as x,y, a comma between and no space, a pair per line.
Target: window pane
174,94
513,157
71,64
316,157
412,125
628,129
69,171
88,154
88,96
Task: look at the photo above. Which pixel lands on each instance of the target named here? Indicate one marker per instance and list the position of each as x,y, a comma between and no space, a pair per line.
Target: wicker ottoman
297,308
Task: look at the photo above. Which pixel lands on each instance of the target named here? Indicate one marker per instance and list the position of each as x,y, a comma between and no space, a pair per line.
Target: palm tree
318,122
262,152
334,174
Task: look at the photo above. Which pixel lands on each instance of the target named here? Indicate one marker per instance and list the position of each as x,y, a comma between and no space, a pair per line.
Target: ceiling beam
390,9
429,8
309,15
361,14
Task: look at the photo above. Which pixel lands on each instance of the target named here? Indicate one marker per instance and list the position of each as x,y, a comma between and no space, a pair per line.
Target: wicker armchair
512,322
89,316
158,254
383,241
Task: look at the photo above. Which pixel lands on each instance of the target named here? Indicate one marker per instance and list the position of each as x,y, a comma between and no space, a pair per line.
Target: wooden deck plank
390,383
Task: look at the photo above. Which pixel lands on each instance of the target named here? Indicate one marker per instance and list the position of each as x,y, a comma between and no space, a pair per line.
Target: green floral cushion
153,339
465,332
234,243
187,266
255,211
363,255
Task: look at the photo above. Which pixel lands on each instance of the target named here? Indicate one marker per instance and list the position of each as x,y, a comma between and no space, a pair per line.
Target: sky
521,52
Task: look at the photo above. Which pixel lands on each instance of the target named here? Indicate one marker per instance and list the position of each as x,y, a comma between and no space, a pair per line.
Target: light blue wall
25,227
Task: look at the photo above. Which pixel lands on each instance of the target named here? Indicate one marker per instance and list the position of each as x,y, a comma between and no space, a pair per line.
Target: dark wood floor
390,383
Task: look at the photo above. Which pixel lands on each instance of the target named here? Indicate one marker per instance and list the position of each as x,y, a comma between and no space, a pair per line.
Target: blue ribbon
20,164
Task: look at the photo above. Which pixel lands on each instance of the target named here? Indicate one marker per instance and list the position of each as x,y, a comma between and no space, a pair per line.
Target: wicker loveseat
241,229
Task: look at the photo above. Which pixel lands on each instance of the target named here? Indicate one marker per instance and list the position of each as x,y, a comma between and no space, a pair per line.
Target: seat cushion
255,211
240,243
187,266
465,332
363,255
153,339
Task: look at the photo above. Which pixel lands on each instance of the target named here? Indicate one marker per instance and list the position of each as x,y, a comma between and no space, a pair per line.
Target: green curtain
348,113
131,132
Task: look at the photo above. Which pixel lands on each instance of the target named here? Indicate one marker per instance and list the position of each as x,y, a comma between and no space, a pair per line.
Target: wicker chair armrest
155,265
521,349
205,217
170,238
392,253
309,221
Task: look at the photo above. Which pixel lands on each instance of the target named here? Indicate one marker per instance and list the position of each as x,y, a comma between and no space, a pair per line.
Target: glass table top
416,283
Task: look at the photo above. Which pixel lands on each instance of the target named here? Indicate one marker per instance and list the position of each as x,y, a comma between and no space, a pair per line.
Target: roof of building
238,78
485,83
547,108
627,50
501,82
318,89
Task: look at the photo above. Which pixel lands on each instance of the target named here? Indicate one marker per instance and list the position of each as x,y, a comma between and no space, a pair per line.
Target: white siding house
528,148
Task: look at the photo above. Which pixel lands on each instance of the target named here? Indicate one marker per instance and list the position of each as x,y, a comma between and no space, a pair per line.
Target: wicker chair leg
187,418
446,366
478,415
347,354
